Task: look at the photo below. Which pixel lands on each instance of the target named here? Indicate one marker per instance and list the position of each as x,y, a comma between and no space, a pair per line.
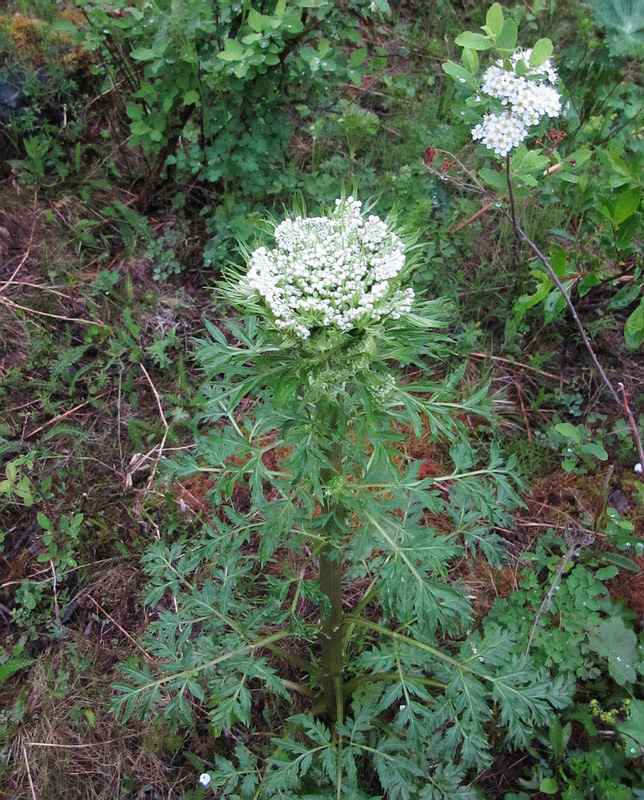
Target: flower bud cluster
384,391
529,97
340,270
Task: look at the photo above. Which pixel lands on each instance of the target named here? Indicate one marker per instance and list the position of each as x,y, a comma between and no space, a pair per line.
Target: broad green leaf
634,328
549,786
589,280
540,52
595,450
612,640
632,730
621,561
605,207
233,51
507,39
627,230
626,204
143,54
527,301
494,19
258,22
134,111
559,260
493,178
140,128
569,431
470,60
579,157
625,296
606,573
192,99
474,41
555,303
10,667
459,74
357,57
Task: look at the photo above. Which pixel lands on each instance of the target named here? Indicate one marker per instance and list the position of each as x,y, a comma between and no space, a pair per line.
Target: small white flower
638,468
204,779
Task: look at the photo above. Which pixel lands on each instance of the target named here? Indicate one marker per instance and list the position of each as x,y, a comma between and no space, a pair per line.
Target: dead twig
120,627
57,617
83,746
31,783
523,411
474,216
519,364
571,307
477,186
576,539
632,423
10,304
166,428
7,283
66,414
488,206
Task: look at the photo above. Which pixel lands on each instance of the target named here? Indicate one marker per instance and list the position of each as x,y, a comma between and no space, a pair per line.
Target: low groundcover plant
321,579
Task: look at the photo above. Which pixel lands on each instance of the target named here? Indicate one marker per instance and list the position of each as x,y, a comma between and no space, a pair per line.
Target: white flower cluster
530,97
336,271
500,132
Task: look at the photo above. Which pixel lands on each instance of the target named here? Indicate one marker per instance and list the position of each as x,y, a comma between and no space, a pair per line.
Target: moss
28,37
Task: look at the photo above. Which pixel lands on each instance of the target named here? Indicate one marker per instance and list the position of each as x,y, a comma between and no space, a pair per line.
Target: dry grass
68,745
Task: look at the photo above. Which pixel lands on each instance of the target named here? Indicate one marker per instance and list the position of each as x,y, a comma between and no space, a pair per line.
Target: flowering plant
515,93
320,578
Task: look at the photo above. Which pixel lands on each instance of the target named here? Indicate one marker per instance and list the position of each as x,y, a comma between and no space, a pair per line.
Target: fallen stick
489,205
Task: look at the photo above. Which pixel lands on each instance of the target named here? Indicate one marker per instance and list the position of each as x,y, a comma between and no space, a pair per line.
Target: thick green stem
331,634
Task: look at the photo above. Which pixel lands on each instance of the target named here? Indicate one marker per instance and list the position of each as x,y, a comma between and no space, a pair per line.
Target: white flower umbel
338,271
204,779
530,97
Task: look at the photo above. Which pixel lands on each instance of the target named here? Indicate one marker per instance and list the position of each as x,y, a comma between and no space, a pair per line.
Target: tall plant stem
515,232
331,634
